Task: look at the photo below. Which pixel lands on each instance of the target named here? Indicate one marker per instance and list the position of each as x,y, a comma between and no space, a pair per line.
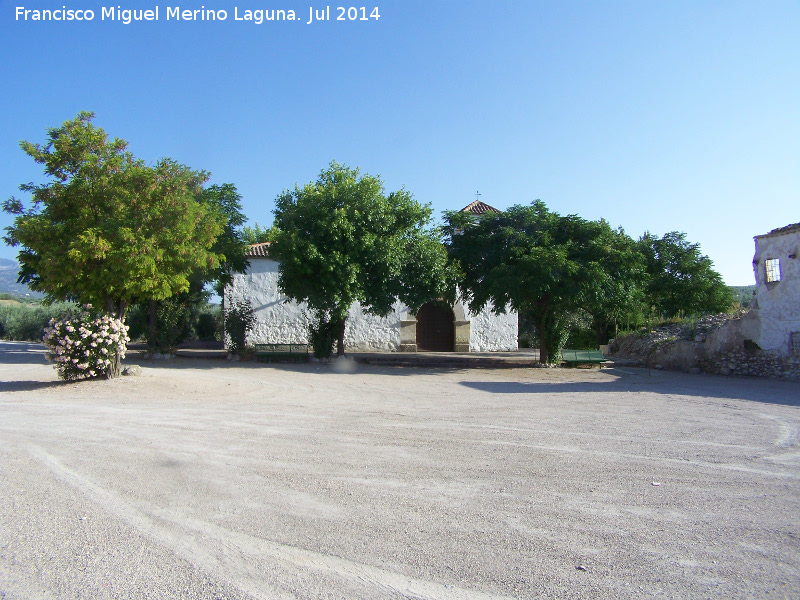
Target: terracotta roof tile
258,250
478,208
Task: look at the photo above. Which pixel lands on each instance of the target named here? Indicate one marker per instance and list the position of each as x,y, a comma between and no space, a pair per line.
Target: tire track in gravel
233,556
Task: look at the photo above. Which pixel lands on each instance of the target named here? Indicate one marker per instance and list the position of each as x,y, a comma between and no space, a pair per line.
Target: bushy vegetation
239,319
208,323
25,320
176,323
323,334
83,346
575,281
743,294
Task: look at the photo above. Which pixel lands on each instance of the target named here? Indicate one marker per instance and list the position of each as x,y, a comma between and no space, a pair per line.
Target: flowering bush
82,347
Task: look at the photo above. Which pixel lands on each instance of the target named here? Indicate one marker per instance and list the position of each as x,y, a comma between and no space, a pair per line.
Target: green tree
342,240
618,296
258,234
681,281
539,263
170,318
106,229
231,244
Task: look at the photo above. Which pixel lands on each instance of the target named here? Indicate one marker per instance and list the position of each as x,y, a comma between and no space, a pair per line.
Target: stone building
774,320
434,327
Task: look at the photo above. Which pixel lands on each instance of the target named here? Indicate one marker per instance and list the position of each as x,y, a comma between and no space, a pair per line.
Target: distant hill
743,293
8,280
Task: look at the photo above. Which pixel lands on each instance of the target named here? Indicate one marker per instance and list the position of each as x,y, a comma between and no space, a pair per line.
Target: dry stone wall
714,344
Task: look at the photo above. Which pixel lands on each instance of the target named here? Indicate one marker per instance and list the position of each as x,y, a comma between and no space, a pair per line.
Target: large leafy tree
618,296
170,318
541,264
681,281
341,239
107,229
231,244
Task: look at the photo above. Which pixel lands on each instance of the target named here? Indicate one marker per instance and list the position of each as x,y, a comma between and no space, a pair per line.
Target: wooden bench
582,357
282,352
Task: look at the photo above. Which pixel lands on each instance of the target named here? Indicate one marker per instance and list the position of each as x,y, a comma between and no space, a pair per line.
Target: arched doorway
435,328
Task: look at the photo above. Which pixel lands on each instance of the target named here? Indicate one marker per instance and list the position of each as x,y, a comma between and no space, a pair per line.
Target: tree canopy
553,268
341,239
106,229
232,242
680,279
540,263
258,234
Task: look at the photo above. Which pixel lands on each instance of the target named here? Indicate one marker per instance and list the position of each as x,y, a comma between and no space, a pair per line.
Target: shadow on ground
31,386
332,367
22,353
754,389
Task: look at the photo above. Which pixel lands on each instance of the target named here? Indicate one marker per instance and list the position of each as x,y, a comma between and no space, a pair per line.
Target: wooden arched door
435,328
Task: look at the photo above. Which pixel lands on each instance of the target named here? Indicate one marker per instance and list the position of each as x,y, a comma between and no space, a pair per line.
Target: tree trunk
151,333
542,326
116,308
600,331
340,343
116,367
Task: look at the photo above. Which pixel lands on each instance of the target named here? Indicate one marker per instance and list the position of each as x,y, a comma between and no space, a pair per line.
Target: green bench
282,352
582,357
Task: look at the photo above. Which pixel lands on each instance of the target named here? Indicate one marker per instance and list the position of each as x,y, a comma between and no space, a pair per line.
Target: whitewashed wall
278,321
282,321
492,333
778,313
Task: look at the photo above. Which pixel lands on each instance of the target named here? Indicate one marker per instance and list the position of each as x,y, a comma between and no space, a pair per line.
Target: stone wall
775,314
758,364
714,344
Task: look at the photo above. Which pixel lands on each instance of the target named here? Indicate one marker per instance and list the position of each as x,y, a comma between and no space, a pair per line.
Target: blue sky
656,116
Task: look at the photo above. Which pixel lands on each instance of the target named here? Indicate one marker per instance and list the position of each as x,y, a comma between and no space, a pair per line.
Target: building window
795,342
773,266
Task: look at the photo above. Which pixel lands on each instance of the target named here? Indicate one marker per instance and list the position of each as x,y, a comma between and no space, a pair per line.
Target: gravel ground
216,480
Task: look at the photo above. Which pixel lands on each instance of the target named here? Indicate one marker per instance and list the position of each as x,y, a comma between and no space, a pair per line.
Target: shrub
208,324
27,321
82,347
137,320
323,334
239,319
172,325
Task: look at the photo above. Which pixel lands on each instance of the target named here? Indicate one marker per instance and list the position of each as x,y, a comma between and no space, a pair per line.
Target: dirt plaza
213,480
